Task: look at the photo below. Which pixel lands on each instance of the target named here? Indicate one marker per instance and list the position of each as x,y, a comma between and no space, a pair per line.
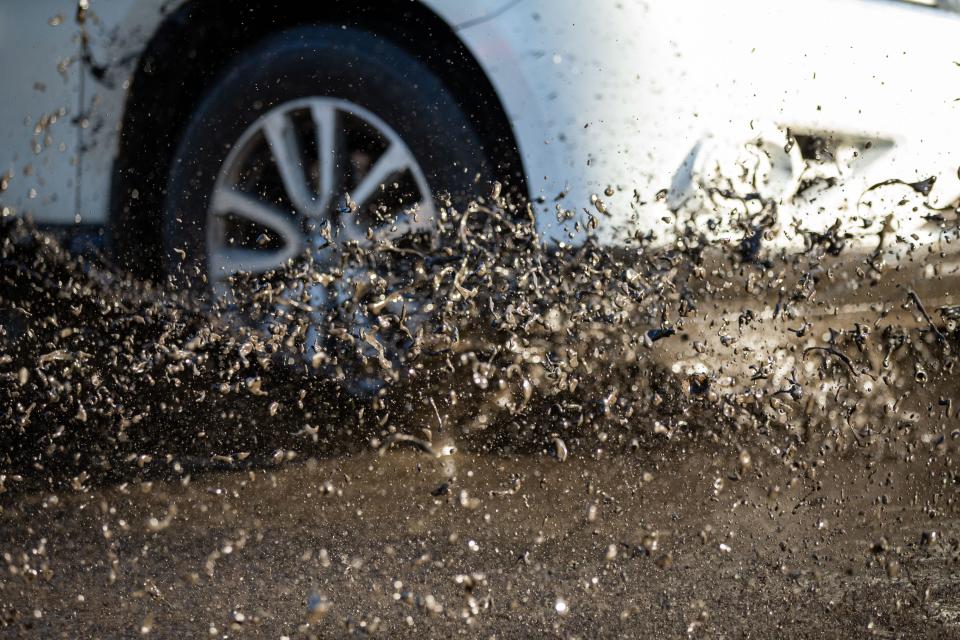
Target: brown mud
704,439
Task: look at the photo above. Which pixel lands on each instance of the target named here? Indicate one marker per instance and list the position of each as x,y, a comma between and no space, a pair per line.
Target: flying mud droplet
560,450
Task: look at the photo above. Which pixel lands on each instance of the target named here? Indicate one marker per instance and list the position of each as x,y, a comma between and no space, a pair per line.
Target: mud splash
480,337
570,441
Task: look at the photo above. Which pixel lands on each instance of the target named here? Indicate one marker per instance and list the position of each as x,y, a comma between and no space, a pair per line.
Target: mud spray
477,340
482,338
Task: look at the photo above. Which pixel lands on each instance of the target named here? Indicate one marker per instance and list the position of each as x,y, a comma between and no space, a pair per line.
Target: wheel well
196,42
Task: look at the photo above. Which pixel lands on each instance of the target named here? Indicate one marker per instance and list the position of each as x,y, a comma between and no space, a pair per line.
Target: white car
226,135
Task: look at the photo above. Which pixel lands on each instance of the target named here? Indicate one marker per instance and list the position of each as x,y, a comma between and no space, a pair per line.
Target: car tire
345,63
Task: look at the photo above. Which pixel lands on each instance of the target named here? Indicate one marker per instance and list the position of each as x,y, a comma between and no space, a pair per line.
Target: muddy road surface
712,439
685,541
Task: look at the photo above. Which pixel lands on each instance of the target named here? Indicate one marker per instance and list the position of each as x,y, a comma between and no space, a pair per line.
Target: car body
640,100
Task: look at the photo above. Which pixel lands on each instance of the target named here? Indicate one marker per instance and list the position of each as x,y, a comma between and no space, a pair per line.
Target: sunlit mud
485,433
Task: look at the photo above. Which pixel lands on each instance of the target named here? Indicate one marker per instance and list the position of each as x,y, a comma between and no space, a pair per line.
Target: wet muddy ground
703,440
677,542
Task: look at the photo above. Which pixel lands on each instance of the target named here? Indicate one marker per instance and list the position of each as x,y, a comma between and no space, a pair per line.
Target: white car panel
625,90
118,37
40,80
641,95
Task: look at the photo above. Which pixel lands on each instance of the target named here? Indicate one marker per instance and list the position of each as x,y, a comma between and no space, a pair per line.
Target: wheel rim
313,175
308,172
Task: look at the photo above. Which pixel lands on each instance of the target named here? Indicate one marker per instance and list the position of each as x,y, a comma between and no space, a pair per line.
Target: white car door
875,81
40,46
612,96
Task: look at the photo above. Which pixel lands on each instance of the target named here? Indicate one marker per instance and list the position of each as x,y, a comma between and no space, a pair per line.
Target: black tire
350,64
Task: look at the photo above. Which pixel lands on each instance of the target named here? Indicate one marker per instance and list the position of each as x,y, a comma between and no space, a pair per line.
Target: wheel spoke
325,120
226,260
394,160
390,163
282,138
